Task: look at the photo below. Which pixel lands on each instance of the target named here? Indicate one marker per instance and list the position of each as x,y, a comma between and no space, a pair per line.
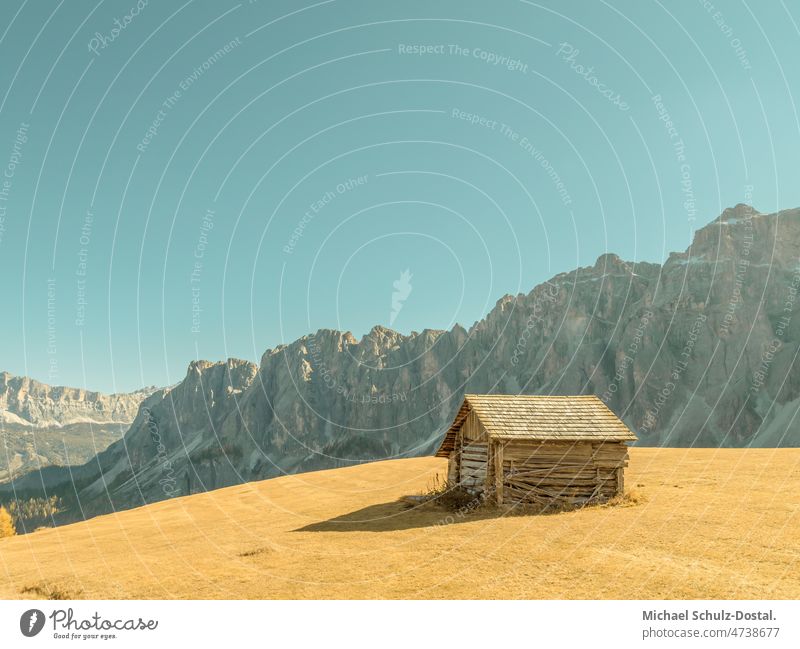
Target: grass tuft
630,498
53,591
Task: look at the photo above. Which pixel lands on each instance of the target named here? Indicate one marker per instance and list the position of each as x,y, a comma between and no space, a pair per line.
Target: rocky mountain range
42,424
698,351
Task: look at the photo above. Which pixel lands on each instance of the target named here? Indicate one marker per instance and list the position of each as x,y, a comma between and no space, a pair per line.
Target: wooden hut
537,449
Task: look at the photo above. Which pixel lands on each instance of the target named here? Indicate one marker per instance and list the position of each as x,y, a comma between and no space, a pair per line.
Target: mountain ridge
679,350
43,424
34,403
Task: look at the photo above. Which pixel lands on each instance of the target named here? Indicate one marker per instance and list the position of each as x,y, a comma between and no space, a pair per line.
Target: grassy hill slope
710,524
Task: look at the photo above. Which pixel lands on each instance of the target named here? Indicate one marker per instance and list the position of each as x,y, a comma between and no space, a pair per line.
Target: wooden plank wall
472,429
572,473
468,463
474,457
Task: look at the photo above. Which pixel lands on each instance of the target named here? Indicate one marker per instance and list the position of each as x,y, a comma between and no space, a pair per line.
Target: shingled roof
539,417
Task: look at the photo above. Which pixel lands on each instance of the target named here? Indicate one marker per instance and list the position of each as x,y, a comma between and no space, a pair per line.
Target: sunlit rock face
42,424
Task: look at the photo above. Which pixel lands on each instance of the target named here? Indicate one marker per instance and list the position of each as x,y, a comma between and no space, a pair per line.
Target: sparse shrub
6,524
452,497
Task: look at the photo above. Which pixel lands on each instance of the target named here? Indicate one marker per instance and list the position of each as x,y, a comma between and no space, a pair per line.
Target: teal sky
278,165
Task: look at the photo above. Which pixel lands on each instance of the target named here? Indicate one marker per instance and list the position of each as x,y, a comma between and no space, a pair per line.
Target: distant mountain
699,351
42,425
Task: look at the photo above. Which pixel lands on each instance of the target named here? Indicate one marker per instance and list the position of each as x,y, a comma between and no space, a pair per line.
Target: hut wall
474,458
565,472
469,464
472,429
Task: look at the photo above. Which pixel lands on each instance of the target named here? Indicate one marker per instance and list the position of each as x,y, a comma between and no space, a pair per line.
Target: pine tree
6,524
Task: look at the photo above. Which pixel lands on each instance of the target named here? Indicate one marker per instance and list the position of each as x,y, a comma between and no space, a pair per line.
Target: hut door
474,459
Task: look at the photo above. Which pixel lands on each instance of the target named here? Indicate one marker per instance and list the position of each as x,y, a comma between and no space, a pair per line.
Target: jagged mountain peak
745,237
610,260
732,215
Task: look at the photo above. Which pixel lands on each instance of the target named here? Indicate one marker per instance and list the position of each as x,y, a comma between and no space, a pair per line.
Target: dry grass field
709,524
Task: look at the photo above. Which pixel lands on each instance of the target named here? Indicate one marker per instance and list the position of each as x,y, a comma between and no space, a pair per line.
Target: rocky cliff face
26,402
697,351
42,424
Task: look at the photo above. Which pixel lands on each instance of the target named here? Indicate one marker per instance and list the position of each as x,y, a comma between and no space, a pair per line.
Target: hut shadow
394,516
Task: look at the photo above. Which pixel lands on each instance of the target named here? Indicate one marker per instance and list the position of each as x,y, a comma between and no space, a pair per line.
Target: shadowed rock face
697,351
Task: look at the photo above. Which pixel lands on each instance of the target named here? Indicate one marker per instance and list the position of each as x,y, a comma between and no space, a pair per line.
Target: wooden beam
620,481
452,469
498,472
458,444
487,478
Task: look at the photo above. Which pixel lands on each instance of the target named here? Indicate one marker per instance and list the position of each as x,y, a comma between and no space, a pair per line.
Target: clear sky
211,179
